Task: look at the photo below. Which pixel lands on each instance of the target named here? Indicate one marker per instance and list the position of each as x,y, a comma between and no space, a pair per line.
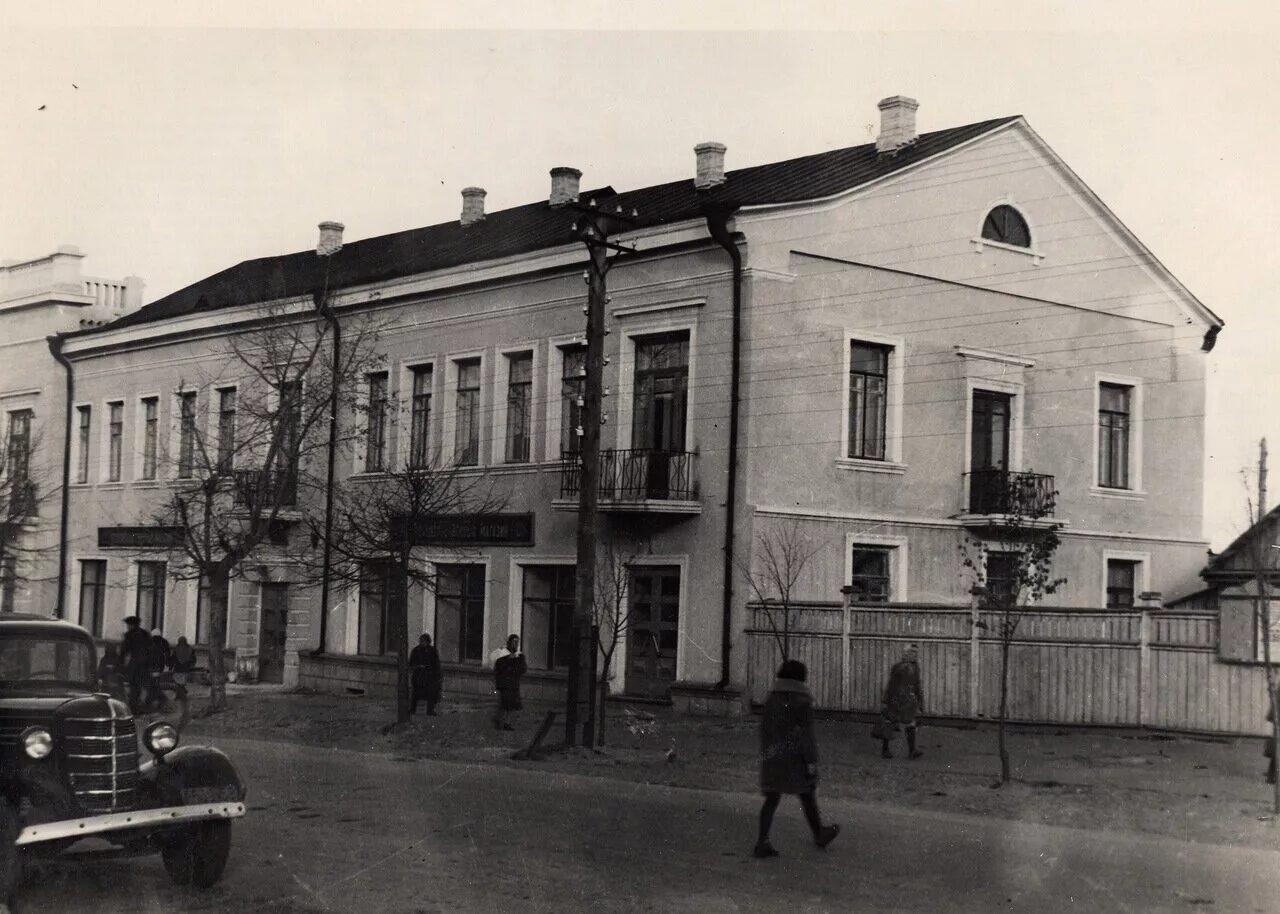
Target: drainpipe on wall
55,348
717,216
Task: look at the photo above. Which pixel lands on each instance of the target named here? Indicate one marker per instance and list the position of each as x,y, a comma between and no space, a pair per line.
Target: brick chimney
330,238
897,123
710,168
564,185
472,205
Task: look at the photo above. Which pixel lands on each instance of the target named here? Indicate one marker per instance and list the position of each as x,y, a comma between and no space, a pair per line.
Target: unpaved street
342,831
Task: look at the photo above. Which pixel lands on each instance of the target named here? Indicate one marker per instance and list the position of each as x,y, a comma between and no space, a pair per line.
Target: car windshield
41,660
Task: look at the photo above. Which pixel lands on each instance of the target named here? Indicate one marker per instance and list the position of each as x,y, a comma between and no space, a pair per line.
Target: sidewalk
1195,789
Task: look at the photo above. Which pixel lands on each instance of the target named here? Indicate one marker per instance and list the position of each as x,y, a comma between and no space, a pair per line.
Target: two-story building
869,345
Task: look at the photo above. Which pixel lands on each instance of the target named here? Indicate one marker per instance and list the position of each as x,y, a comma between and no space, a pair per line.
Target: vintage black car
71,766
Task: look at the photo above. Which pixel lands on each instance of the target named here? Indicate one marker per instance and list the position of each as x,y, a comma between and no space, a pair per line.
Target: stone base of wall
340,674
699,699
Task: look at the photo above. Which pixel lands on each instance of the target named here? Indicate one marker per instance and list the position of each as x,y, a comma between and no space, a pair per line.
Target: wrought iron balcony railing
1004,492
636,475
263,489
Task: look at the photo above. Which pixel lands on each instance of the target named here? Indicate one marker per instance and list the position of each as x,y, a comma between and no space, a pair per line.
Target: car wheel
10,858
199,854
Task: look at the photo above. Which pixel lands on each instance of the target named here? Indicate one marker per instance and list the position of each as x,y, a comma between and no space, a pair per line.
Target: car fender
195,774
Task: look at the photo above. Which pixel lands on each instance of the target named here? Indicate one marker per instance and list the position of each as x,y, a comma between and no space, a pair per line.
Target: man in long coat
427,679
789,756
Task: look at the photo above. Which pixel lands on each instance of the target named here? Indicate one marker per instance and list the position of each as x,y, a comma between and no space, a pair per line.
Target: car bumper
124,821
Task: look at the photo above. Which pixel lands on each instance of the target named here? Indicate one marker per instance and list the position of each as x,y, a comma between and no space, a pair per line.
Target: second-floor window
420,421
868,400
186,434
573,385
18,460
1114,405
93,590
519,407
375,459
661,393
150,426
467,422
85,421
115,440
226,429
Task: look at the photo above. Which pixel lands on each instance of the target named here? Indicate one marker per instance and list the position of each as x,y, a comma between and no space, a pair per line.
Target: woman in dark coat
903,700
789,756
507,671
427,679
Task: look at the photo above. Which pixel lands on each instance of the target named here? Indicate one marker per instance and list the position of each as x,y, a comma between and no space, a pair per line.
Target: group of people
426,679
138,668
789,749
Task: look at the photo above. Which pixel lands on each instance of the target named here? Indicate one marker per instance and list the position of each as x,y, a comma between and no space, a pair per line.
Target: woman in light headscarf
903,700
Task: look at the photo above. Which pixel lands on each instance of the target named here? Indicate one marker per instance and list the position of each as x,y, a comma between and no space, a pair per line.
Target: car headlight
36,742
160,737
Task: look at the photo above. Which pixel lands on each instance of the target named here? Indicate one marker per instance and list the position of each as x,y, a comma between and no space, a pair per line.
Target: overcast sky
171,151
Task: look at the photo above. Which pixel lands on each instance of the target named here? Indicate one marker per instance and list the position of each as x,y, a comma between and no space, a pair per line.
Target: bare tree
1022,542
611,612
249,466
378,523
25,490
1262,612
781,554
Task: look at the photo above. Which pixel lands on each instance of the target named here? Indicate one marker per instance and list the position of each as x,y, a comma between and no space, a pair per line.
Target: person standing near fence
903,700
427,679
789,756
507,671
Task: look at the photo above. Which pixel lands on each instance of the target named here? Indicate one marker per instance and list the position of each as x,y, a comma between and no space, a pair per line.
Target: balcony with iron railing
994,497
639,480
261,490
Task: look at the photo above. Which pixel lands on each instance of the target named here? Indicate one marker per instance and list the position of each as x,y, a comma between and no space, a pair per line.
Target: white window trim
1141,580
448,444
214,423
1035,252
428,562
139,436
501,384
515,586
75,444
104,450
1018,392
1136,413
404,440
626,382
173,457
73,582
898,567
892,462
554,401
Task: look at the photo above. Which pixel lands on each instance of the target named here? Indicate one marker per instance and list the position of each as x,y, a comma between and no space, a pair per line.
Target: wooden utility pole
1262,612
592,228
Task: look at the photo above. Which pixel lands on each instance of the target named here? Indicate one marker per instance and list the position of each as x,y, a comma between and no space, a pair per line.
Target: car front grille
102,759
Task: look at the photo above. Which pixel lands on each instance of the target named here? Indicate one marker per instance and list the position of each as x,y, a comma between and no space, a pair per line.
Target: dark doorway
653,630
273,631
660,406
989,452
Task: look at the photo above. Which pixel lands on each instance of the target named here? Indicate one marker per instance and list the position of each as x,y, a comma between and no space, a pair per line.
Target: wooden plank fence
1152,668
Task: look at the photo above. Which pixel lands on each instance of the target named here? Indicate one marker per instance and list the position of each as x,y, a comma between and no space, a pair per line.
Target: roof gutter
326,568
55,349
717,216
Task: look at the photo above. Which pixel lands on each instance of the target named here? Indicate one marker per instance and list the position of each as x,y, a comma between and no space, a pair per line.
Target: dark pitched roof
536,226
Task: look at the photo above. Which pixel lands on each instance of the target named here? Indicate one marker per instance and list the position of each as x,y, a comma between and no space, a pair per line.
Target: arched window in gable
1005,225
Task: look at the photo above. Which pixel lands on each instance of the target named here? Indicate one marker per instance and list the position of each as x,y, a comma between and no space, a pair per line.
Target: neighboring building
1231,589
916,324
38,298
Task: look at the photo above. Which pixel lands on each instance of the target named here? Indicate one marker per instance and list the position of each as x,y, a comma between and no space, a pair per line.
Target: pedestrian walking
158,659
135,654
110,678
182,660
903,701
789,756
507,671
426,677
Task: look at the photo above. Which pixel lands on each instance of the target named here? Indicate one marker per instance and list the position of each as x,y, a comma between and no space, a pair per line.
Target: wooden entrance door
272,632
653,630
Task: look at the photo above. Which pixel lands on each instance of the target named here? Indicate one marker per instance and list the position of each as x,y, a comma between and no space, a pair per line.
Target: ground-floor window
1002,579
8,582
375,598
460,613
547,615
93,592
204,602
871,574
150,608
1122,576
